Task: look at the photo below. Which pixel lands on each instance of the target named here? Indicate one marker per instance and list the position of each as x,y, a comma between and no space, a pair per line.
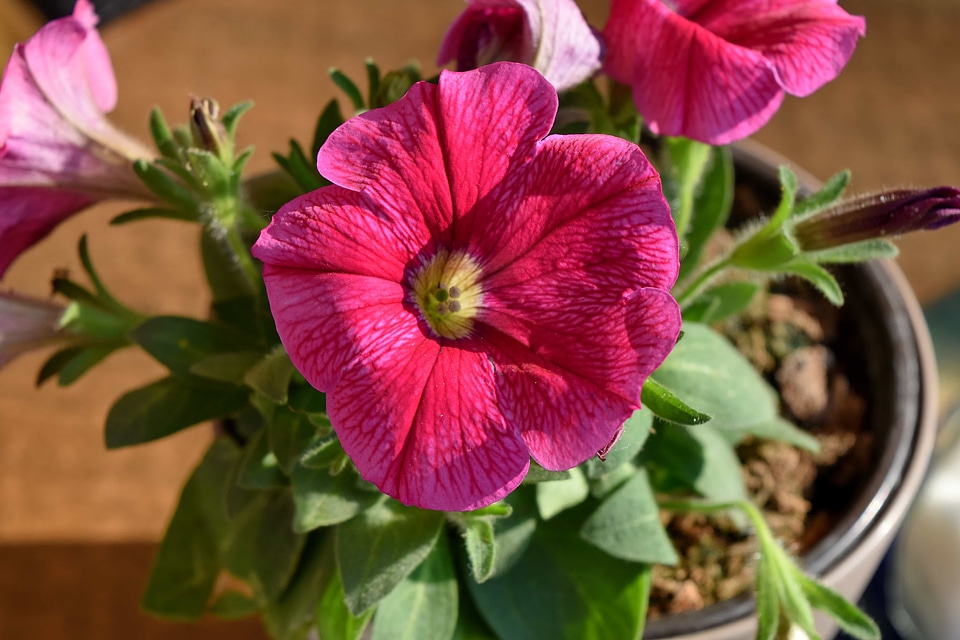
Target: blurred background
78,524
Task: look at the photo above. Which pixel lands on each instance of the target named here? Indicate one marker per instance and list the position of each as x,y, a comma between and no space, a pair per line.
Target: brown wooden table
78,524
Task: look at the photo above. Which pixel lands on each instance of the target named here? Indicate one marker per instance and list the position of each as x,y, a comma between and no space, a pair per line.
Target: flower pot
901,373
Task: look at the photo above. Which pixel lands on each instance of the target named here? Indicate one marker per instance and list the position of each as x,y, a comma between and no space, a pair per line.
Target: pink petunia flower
717,70
549,35
470,294
25,324
58,153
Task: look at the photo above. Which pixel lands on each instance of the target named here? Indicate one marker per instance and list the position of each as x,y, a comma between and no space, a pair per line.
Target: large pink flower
470,294
58,153
549,35
717,70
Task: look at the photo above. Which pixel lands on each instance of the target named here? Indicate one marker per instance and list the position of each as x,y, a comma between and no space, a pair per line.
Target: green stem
242,254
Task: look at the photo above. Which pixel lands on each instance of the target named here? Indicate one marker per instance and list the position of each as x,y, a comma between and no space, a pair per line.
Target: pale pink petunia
552,36
26,323
717,70
471,294
58,153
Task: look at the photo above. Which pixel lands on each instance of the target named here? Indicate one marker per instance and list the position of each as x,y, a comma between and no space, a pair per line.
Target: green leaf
481,547
154,213
167,406
169,190
187,563
262,546
178,343
162,137
323,454
827,195
424,605
231,605
711,206
788,185
470,626
635,432
83,361
699,457
226,367
373,78
232,117
721,302
394,85
627,525
704,365
323,499
768,603
291,435
348,87
564,588
780,429
271,376
56,363
664,404
554,497
259,469
876,249
818,277
213,176
851,619
513,534
293,615
335,622
380,547
330,118
537,474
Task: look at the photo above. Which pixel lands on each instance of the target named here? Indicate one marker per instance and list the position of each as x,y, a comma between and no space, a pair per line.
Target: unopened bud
208,132
881,215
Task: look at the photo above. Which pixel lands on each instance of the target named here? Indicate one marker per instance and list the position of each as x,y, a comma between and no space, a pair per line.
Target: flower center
448,293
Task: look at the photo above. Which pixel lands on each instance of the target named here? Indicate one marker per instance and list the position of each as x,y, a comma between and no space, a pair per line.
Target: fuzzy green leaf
877,249
380,547
627,525
829,194
178,343
335,622
818,277
187,563
564,588
768,603
665,405
712,202
163,185
348,87
851,619
293,615
154,213
323,499
167,406
554,497
259,469
636,430
424,605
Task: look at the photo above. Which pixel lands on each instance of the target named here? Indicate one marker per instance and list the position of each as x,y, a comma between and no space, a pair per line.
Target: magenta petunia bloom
552,36
58,153
470,294
717,70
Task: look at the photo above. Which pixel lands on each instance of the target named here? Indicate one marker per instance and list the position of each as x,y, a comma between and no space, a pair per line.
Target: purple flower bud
880,215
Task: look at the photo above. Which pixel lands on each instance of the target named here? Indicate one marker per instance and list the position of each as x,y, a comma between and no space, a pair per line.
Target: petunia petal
420,421
595,226
807,42
28,214
103,82
393,154
706,89
336,230
324,318
57,60
574,385
478,149
568,50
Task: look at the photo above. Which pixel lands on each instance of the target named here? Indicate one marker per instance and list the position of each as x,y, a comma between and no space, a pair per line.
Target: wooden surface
77,523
